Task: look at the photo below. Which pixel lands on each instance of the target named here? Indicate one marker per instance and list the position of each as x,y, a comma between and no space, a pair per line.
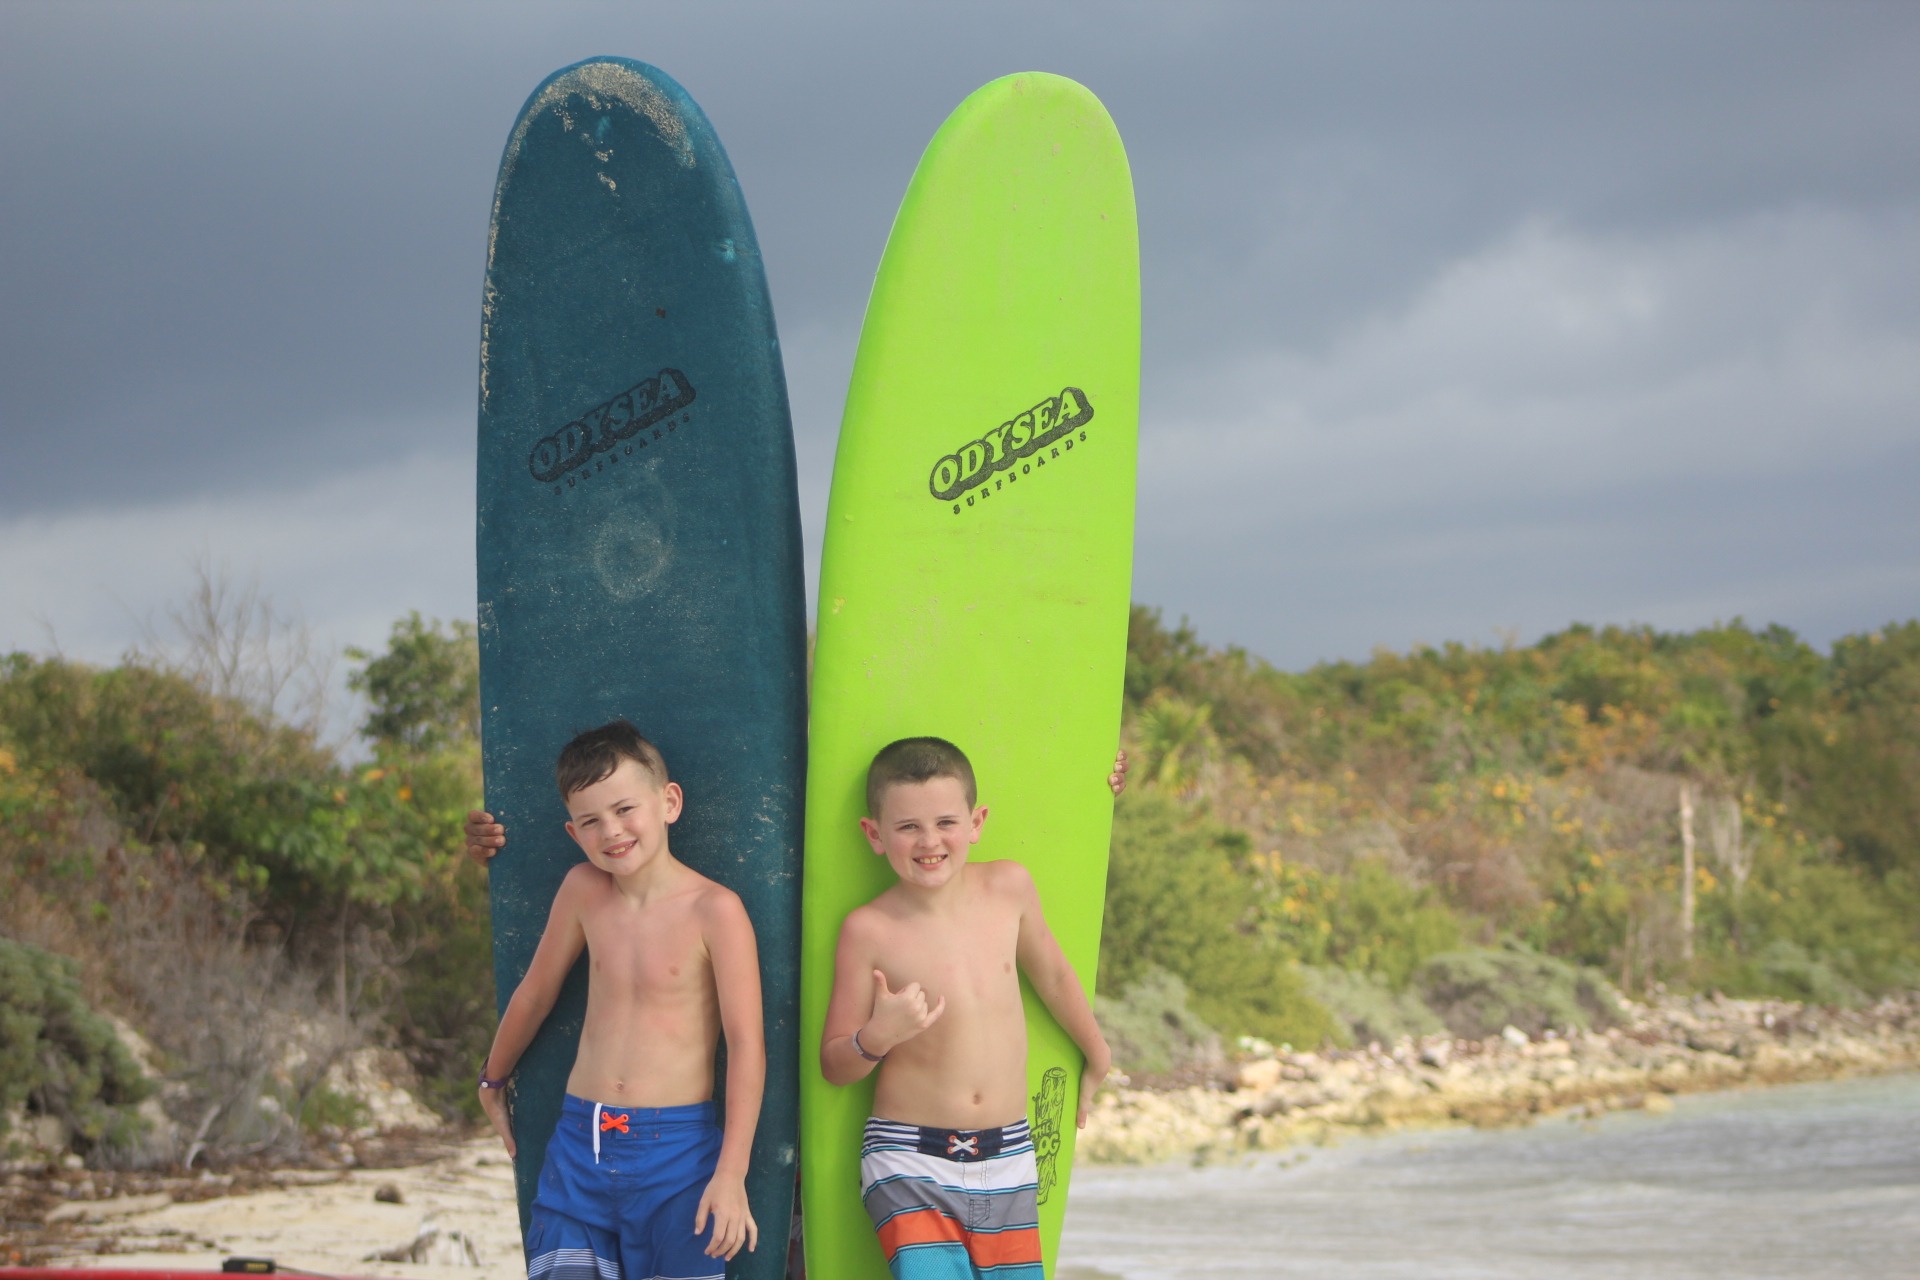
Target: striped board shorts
953,1204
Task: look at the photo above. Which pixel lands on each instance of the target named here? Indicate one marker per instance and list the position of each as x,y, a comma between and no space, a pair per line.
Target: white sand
333,1226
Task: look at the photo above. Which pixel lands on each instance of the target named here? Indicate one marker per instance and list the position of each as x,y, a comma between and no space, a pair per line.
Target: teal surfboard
975,572
639,543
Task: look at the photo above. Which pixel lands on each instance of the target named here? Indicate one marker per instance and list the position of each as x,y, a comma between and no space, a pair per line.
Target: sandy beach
450,1216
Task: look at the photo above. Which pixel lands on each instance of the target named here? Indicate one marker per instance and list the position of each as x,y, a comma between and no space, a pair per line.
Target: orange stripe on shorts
1004,1248
920,1226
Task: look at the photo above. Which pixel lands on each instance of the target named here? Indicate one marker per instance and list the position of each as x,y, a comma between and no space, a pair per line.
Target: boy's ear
574,834
871,830
675,798
979,820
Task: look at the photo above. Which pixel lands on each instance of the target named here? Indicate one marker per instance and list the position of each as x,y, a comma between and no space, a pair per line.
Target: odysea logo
973,464
603,426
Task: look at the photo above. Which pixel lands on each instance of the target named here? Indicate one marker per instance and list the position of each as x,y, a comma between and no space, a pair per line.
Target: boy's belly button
978,1099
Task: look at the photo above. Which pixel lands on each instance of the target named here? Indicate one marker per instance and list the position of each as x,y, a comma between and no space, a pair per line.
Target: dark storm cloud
255,233
240,252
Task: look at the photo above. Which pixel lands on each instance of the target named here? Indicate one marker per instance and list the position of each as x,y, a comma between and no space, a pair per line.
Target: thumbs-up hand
897,1015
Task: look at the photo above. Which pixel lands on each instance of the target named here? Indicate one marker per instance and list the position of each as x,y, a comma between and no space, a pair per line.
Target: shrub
1369,921
1150,1029
1478,991
1367,1008
1178,901
60,1058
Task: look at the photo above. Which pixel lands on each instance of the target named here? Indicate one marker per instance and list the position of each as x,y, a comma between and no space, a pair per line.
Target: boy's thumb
880,983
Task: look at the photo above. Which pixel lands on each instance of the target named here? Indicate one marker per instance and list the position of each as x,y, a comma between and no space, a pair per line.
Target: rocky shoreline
1272,1100
425,1195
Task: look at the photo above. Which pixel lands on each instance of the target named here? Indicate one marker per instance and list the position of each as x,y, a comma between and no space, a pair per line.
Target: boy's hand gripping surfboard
639,543
975,575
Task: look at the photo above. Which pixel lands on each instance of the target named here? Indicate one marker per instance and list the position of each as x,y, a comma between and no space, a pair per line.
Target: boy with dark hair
639,1181
925,987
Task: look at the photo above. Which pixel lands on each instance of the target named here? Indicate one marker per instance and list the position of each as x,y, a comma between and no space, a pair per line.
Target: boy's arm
863,1005
560,945
735,955
848,1007
1057,985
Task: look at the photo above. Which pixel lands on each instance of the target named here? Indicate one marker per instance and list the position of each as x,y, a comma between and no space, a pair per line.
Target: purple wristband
486,1083
870,1057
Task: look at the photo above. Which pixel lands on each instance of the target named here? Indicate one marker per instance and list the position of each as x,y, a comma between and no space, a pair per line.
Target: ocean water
1815,1180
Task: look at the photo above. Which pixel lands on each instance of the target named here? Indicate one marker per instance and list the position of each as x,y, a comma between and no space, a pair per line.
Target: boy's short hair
917,760
593,756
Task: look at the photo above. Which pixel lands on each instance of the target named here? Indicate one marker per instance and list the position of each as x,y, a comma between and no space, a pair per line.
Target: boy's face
620,822
923,830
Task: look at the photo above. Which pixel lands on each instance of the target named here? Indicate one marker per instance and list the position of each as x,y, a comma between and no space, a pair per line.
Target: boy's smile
620,822
924,829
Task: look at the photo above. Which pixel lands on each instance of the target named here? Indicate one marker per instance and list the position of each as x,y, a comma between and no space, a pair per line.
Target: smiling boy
639,1182
925,987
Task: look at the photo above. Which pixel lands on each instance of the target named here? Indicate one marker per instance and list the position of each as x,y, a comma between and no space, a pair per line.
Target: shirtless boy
925,988
639,1181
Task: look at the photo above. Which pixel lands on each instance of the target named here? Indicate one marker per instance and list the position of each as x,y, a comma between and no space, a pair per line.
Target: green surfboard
639,545
975,573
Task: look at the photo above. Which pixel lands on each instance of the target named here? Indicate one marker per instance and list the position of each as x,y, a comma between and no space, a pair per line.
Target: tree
229,641
425,689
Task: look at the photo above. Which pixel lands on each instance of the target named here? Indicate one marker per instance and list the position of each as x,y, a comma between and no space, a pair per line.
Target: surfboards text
975,462
604,426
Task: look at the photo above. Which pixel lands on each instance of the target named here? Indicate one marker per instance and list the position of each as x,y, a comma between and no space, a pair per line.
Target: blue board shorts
619,1191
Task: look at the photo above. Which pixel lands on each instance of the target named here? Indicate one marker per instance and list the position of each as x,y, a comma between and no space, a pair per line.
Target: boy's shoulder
1002,877
711,898
871,914
585,878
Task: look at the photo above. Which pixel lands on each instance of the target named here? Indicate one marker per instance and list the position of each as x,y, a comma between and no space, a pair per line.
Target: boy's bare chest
647,952
964,960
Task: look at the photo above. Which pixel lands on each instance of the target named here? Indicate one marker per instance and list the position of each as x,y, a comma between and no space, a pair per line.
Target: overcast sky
1463,321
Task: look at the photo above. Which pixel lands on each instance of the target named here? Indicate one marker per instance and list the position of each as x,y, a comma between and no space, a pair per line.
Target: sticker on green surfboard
975,575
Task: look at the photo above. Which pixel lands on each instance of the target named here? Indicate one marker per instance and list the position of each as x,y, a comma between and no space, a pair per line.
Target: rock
382,1081
432,1246
1668,1047
40,1135
388,1193
1259,1074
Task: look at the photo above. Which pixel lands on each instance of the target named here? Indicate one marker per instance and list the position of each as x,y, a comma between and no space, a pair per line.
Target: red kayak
232,1266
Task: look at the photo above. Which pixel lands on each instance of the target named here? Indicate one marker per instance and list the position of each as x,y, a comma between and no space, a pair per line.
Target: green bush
60,1058
1152,1031
199,797
1367,1008
1478,991
1809,926
1178,900
325,1108
1368,921
1787,969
